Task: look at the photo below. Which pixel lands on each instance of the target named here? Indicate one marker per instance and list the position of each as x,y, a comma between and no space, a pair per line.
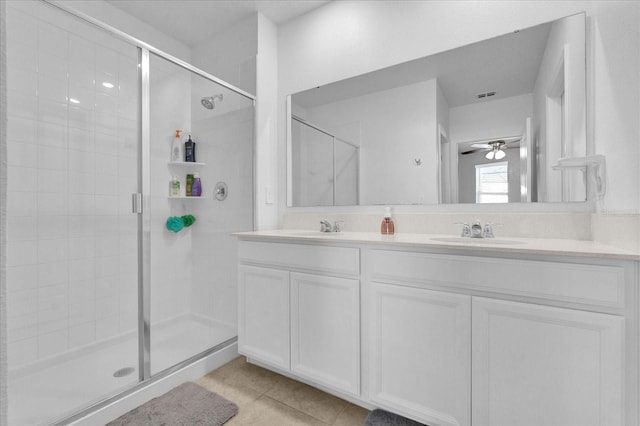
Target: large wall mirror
483,123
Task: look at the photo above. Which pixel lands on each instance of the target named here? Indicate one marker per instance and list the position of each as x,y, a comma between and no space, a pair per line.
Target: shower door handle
136,203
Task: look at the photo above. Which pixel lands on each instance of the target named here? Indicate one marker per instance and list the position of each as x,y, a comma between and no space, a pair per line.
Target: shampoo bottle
174,187
387,226
190,151
189,186
176,148
196,187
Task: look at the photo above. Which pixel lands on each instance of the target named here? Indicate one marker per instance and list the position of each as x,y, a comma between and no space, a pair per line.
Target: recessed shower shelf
185,163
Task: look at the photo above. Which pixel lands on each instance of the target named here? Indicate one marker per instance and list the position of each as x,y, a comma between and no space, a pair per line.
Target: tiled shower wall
72,262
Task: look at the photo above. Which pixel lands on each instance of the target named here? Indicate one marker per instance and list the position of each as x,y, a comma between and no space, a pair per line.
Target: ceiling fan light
500,154
489,155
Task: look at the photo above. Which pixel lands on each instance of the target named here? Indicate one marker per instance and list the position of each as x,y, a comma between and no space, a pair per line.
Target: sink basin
467,240
314,234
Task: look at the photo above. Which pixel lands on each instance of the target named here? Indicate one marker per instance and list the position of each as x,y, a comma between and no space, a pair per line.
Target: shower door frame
140,206
291,118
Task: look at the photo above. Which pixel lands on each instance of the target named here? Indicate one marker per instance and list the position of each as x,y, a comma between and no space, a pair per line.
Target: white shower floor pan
53,390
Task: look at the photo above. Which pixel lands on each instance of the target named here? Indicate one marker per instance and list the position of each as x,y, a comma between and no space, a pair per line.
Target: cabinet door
539,365
263,315
325,330
420,353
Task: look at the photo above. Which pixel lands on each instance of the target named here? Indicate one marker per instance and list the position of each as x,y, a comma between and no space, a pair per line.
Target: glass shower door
347,163
72,264
192,297
314,168
101,294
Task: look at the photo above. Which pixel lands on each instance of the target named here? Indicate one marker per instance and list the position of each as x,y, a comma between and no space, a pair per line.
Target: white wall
267,151
615,38
231,55
348,38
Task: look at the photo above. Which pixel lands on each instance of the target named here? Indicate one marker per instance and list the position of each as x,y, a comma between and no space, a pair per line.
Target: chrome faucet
476,230
325,226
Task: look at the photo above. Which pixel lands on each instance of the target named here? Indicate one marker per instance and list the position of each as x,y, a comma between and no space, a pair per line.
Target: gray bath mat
380,417
187,405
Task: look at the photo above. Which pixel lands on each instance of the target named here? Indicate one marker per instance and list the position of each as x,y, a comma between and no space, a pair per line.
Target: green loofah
175,224
188,220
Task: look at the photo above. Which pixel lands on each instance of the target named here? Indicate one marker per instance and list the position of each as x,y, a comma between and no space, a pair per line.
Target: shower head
209,102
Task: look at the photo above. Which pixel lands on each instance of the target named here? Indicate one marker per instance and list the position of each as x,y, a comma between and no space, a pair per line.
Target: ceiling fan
495,147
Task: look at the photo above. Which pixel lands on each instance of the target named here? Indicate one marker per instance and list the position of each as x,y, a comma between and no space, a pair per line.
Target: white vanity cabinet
502,341
444,335
299,311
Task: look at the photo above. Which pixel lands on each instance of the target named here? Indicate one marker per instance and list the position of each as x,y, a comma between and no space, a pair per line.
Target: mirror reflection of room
433,130
325,168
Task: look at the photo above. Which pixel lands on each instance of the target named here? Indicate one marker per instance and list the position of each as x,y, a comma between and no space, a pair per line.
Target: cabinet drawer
337,260
596,285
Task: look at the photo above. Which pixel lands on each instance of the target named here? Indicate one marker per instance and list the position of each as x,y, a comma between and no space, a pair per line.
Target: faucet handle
466,229
487,232
325,226
337,225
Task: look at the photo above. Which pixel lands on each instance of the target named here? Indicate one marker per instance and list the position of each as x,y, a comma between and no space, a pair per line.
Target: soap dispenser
387,227
176,148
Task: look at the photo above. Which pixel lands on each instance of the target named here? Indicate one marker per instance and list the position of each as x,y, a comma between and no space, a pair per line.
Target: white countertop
544,246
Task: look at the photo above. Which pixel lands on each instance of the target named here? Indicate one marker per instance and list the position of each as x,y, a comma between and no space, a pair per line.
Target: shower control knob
220,191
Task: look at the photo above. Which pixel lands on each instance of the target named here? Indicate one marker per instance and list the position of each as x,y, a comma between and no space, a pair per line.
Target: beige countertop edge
543,246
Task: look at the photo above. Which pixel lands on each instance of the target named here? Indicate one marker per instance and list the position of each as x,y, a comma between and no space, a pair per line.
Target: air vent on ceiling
485,95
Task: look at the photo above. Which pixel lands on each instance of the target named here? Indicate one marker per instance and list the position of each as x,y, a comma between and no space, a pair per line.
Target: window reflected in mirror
492,182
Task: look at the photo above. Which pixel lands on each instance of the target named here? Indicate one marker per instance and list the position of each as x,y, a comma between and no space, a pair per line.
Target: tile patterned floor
265,398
